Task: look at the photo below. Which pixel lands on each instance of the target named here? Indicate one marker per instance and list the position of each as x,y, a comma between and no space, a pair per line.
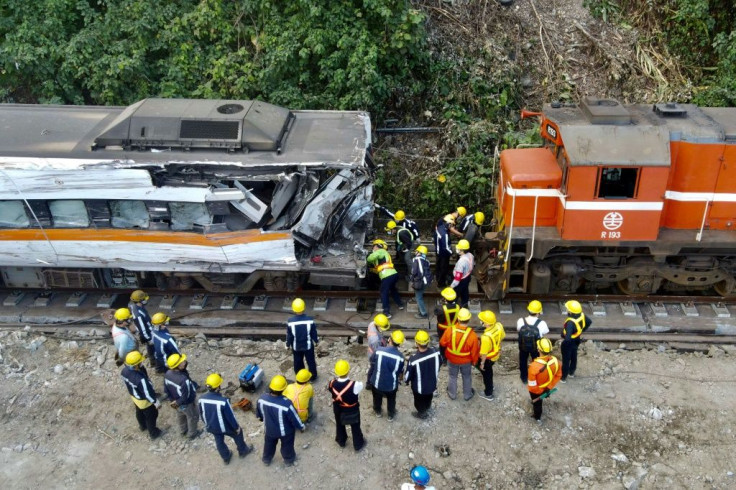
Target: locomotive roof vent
669,109
605,111
186,123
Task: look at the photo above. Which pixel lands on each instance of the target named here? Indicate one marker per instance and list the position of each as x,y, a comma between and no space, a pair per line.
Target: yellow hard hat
449,294
574,307
160,318
297,306
381,321
214,380
464,315
399,215
342,367
138,295
278,383
380,243
175,359
544,345
303,375
122,314
487,317
535,307
134,358
480,218
422,249
461,211
390,225
463,245
397,336
422,337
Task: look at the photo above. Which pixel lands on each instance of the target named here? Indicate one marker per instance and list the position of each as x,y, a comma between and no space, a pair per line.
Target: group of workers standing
457,223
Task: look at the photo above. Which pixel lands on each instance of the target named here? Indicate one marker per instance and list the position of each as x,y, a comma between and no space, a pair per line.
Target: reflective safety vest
300,394
579,325
549,364
450,317
456,348
383,264
338,395
491,342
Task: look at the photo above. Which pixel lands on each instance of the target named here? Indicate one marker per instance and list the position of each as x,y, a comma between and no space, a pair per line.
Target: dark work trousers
222,448
147,420
487,373
536,406
463,291
524,363
299,356
341,432
390,401
440,332
443,270
287,448
149,351
423,403
569,357
388,288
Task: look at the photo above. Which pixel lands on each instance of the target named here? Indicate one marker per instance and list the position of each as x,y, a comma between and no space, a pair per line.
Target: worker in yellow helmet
422,370
164,345
421,278
544,374
462,354
490,350
530,328
123,335
301,394
142,393
471,224
374,333
346,405
387,366
575,324
462,273
142,320
446,314
182,392
401,220
281,421
219,419
302,338
381,261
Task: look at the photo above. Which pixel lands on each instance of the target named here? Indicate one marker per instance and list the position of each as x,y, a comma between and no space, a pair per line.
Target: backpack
419,283
528,336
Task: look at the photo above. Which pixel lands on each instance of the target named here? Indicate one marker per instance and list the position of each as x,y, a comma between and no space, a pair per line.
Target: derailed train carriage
179,193
636,199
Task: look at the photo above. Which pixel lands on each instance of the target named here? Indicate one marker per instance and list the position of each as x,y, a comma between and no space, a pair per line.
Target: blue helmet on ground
419,475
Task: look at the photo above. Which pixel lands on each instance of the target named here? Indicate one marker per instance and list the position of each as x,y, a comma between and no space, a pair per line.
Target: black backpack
528,336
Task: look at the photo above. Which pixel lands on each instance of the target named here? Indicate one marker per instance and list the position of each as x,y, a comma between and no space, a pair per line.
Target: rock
101,360
82,333
411,455
18,448
620,457
58,369
655,413
661,349
714,351
586,472
663,469
200,337
630,483
240,351
213,343
305,446
128,455
448,475
728,473
70,345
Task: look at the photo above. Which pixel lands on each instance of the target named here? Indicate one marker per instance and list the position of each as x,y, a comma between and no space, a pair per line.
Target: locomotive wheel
725,288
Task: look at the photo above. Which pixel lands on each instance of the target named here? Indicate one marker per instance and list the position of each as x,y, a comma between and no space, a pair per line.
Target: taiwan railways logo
613,221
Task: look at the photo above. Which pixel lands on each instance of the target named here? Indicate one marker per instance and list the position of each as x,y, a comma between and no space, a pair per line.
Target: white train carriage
179,193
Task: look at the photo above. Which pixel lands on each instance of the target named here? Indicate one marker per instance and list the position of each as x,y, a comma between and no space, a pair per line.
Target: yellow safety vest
548,366
450,317
456,348
491,342
578,327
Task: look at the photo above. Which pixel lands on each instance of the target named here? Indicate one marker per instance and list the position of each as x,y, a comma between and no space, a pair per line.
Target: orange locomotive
636,198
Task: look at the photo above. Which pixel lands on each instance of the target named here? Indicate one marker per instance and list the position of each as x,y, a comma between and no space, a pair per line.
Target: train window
129,214
184,215
69,214
617,183
13,215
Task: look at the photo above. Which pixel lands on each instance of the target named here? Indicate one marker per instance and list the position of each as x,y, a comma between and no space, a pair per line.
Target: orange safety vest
450,317
295,398
578,327
338,395
455,348
550,368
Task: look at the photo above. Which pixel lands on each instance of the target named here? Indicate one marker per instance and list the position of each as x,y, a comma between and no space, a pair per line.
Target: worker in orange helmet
462,351
575,324
544,373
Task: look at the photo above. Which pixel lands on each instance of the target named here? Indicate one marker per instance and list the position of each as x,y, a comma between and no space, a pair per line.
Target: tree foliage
347,54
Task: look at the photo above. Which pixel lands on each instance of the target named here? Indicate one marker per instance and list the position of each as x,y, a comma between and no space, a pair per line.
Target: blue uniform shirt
387,365
180,387
142,321
279,414
217,414
301,333
138,384
164,345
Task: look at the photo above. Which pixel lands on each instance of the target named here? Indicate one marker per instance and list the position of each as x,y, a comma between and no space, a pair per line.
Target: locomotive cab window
129,214
184,215
69,214
13,215
617,183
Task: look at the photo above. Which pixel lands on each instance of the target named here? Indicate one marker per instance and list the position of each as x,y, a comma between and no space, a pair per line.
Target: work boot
195,435
472,394
229,457
247,451
486,397
420,316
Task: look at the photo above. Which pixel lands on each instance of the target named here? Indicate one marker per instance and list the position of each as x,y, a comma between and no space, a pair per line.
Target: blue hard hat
419,475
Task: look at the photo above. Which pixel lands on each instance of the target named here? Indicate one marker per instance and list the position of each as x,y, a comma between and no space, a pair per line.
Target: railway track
689,323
